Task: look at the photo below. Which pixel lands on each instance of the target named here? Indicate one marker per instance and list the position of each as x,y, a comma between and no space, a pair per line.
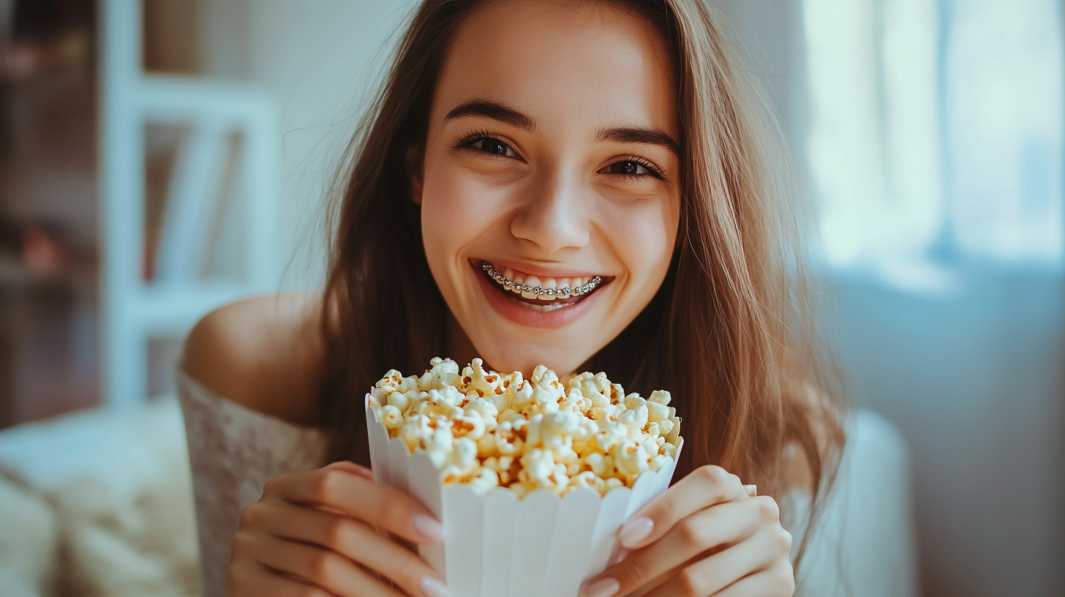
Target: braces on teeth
564,292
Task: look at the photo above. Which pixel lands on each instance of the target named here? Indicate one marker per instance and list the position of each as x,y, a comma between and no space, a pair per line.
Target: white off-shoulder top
863,545
233,451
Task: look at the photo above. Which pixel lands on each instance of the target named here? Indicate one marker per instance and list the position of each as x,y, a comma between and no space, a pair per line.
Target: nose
554,215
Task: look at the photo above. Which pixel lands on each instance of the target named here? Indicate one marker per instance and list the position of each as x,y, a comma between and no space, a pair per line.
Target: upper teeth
531,287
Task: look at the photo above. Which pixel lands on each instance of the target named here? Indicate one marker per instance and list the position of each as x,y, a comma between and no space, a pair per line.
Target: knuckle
335,532
327,485
768,509
238,575
250,516
240,543
666,512
737,485
322,567
247,518
692,581
691,532
782,540
273,484
783,578
713,474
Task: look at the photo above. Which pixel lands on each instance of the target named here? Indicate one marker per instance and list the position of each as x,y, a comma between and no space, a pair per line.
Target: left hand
704,536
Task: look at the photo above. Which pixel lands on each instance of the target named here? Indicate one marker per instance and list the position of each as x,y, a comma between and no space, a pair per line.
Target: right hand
312,535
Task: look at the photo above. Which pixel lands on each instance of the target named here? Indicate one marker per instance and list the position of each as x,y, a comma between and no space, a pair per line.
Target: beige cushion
120,490
29,543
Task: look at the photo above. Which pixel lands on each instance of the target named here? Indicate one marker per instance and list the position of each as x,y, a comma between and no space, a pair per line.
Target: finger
321,567
724,524
351,467
764,550
250,579
704,487
778,581
349,537
340,490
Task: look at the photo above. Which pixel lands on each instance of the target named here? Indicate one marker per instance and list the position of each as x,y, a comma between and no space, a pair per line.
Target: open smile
540,301
544,295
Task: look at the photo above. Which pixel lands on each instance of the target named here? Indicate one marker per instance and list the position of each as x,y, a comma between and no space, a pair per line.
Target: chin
522,357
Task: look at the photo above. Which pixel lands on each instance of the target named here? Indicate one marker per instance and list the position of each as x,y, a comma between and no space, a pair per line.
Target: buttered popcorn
487,429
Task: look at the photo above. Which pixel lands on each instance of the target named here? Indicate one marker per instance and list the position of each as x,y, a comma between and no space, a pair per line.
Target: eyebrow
493,110
639,135
496,111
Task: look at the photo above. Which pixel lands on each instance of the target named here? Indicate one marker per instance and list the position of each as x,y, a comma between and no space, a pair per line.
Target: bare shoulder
263,353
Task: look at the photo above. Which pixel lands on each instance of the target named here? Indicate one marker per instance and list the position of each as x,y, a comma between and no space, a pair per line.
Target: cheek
455,211
644,237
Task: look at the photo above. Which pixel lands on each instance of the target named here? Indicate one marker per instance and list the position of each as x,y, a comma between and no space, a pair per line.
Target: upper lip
539,270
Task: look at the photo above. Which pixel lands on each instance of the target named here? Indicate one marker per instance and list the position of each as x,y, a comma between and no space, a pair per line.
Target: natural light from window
936,130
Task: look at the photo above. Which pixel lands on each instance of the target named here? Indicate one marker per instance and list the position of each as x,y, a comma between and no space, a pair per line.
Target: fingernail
602,588
432,587
429,527
636,530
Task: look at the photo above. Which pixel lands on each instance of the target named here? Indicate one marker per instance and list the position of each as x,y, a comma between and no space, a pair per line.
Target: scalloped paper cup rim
499,545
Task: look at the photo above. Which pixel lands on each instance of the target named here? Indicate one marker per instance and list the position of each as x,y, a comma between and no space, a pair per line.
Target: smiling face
550,157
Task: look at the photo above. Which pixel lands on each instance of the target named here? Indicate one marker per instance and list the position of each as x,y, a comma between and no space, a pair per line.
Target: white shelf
135,311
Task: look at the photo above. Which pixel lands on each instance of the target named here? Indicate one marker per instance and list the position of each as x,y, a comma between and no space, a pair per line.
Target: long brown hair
729,333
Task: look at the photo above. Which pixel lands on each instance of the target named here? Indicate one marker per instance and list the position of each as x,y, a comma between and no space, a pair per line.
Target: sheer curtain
931,137
935,133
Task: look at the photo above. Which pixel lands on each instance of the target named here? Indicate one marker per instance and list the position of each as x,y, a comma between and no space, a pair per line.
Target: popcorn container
498,545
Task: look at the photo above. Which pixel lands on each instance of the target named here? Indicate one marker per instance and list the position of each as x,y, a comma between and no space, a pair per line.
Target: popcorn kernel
486,429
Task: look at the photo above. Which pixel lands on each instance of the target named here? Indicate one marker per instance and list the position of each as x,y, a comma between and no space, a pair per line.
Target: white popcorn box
500,546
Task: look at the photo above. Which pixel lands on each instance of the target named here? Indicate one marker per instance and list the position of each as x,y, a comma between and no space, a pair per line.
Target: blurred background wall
322,60
929,132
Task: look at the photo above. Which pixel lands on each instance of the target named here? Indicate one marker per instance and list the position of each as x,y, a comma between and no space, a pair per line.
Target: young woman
557,141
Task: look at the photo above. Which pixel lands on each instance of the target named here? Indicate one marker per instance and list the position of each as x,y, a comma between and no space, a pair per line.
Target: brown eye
628,168
492,146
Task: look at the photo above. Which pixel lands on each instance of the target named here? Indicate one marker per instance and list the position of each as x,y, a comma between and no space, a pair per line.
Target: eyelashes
475,136
638,161
470,140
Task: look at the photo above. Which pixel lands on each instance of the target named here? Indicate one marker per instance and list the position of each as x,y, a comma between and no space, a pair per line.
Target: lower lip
528,317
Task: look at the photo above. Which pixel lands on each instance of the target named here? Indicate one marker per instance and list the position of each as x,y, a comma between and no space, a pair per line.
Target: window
936,130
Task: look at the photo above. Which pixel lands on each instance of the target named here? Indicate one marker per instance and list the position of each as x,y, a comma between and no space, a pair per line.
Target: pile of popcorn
487,429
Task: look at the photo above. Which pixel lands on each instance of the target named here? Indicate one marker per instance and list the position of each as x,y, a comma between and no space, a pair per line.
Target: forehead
564,64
